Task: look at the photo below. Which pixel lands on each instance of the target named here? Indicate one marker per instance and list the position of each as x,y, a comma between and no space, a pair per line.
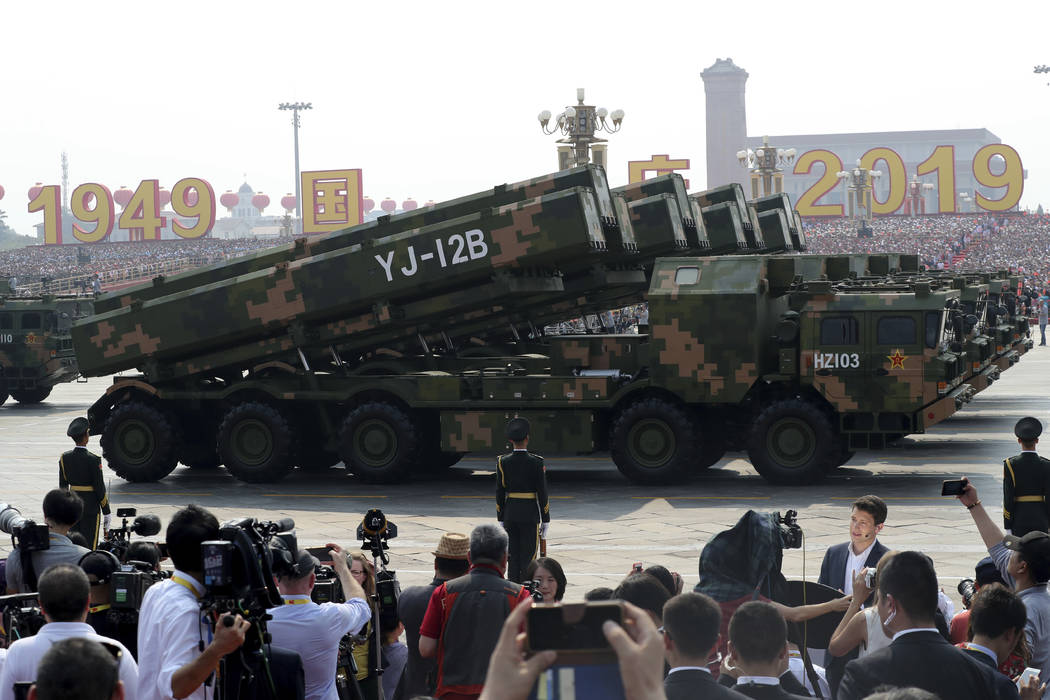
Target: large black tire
379,442
140,442
256,443
654,441
793,442
30,396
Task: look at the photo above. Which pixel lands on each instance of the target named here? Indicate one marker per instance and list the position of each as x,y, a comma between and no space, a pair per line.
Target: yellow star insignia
897,359
30,339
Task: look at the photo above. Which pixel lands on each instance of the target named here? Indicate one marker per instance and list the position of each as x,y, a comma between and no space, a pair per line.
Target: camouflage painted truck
36,350
270,361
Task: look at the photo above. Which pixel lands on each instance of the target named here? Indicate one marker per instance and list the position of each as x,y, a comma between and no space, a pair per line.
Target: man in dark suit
450,561
758,649
997,618
918,657
1026,483
81,471
521,499
842,561
691,624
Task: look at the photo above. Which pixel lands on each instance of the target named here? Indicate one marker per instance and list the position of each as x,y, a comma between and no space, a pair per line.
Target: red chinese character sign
331,200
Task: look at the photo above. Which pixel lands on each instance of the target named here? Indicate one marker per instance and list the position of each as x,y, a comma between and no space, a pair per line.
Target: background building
726,121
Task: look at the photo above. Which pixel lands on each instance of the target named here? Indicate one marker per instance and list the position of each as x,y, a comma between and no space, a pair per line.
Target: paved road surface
601,523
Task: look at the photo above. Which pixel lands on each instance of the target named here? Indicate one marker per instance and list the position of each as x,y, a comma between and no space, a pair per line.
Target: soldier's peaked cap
517,429
78,427
1028,428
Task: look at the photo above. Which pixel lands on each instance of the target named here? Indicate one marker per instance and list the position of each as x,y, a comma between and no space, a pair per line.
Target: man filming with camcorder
178,651
315,630
37,547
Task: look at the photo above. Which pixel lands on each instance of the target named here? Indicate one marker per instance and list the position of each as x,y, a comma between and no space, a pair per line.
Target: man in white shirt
758,647
314,630
177,651
63,592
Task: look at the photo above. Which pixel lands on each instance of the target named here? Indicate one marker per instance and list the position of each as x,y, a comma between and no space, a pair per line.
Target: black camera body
128,586
327,588
119,538
25,533
533,587
790,531
21,615
375,531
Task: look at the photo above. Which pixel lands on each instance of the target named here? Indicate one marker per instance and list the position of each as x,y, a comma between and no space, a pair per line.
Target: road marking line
312,495
893,498
161,493
488,498
702,498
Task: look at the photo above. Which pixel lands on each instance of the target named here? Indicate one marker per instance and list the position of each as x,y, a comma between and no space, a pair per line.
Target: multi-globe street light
766,163
917,190
860,183
578,125
295,108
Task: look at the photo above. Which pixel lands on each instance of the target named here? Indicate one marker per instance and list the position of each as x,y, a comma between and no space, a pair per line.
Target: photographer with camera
315,630
64,593
34,553
81,471
178,651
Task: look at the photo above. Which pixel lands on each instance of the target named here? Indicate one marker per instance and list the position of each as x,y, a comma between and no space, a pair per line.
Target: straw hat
453,545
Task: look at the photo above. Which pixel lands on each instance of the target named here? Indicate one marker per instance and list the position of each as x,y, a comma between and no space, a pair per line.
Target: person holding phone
1026,483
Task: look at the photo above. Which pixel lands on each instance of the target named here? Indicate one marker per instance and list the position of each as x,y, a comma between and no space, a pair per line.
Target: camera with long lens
966,589
25,534
119,538
21,616
240,566
790,531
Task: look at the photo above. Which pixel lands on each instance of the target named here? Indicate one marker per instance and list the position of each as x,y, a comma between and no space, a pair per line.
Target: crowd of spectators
973,241
32,263
466,633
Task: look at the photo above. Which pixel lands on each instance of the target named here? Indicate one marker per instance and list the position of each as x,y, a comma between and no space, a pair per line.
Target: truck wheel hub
135,441
652,442
253,442
791,442
376,443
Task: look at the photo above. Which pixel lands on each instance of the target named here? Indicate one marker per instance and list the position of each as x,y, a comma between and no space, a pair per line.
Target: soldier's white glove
543,530
106,520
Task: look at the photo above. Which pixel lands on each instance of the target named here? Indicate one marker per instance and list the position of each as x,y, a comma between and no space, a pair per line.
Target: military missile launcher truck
36,351
277,359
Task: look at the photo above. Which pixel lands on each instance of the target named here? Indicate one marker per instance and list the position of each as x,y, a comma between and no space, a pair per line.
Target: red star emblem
30,339
897,359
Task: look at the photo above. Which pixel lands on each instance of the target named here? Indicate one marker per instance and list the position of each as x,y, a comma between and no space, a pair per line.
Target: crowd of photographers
243,612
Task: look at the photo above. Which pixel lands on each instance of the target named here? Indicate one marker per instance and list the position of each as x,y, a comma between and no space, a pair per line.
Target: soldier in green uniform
81,471
1026,483
521,499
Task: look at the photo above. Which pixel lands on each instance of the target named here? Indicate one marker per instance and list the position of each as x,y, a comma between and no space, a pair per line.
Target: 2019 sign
941,162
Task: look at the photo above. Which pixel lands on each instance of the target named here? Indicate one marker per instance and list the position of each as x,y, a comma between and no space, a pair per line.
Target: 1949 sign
941,162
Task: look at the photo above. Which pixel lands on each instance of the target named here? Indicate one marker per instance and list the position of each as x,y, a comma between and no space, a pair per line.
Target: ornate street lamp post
578,125
766,165
859,184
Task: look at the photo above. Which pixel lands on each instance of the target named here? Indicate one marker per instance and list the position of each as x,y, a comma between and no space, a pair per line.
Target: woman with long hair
366,653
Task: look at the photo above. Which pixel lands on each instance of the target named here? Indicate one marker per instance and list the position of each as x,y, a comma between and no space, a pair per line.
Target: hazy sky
439,99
